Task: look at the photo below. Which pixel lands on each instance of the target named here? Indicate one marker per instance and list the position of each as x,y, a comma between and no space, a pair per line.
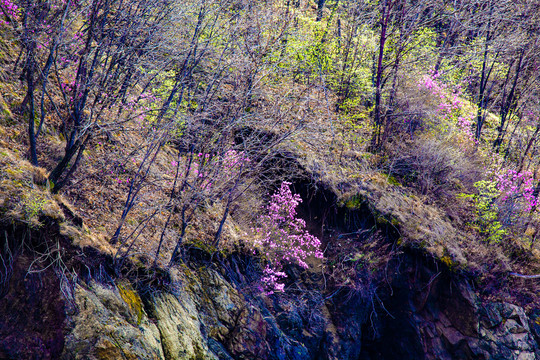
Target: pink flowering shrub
449,106
284,238
465,124
517,186
271,280
11,11
502,202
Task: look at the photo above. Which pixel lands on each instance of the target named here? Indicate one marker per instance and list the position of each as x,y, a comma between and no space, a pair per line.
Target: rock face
443,318
202,317
104,326
31,312
427,315
504,330
420,312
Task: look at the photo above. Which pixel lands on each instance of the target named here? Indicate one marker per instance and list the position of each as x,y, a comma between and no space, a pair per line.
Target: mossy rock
393,181
355,202
132,299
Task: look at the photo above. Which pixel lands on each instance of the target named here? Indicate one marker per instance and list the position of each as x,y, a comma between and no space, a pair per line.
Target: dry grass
24,197
434,167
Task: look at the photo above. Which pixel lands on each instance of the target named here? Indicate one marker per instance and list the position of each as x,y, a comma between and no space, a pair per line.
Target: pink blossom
284,237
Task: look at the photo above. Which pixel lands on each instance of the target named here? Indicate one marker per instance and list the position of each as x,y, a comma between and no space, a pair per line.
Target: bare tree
217,115
398,24
98,54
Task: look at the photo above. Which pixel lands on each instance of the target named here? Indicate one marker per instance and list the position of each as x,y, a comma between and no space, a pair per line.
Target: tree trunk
483,81
385,16
320,8
507,105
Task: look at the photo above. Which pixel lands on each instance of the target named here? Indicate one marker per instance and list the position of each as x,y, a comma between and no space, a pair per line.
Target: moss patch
132,299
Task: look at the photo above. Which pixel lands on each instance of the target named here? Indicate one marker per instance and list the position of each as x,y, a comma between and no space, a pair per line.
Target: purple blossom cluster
465,123
450,106
271,280
233,160
284,238
514,185
11,10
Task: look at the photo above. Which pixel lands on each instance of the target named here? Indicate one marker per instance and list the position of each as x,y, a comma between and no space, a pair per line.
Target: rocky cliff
210,308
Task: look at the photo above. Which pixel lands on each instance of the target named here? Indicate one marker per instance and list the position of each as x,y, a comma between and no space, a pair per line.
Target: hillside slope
267,180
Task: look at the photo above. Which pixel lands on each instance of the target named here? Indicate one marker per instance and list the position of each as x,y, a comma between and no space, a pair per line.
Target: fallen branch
525,276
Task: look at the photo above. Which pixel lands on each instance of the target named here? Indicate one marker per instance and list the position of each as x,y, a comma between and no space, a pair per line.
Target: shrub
284,238
517,197
486,211
434,167
8,10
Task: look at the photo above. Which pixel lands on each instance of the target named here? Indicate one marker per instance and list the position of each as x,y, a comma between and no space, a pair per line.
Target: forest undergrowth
173,125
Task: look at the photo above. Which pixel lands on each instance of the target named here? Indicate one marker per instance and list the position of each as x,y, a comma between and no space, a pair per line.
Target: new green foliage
486,211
